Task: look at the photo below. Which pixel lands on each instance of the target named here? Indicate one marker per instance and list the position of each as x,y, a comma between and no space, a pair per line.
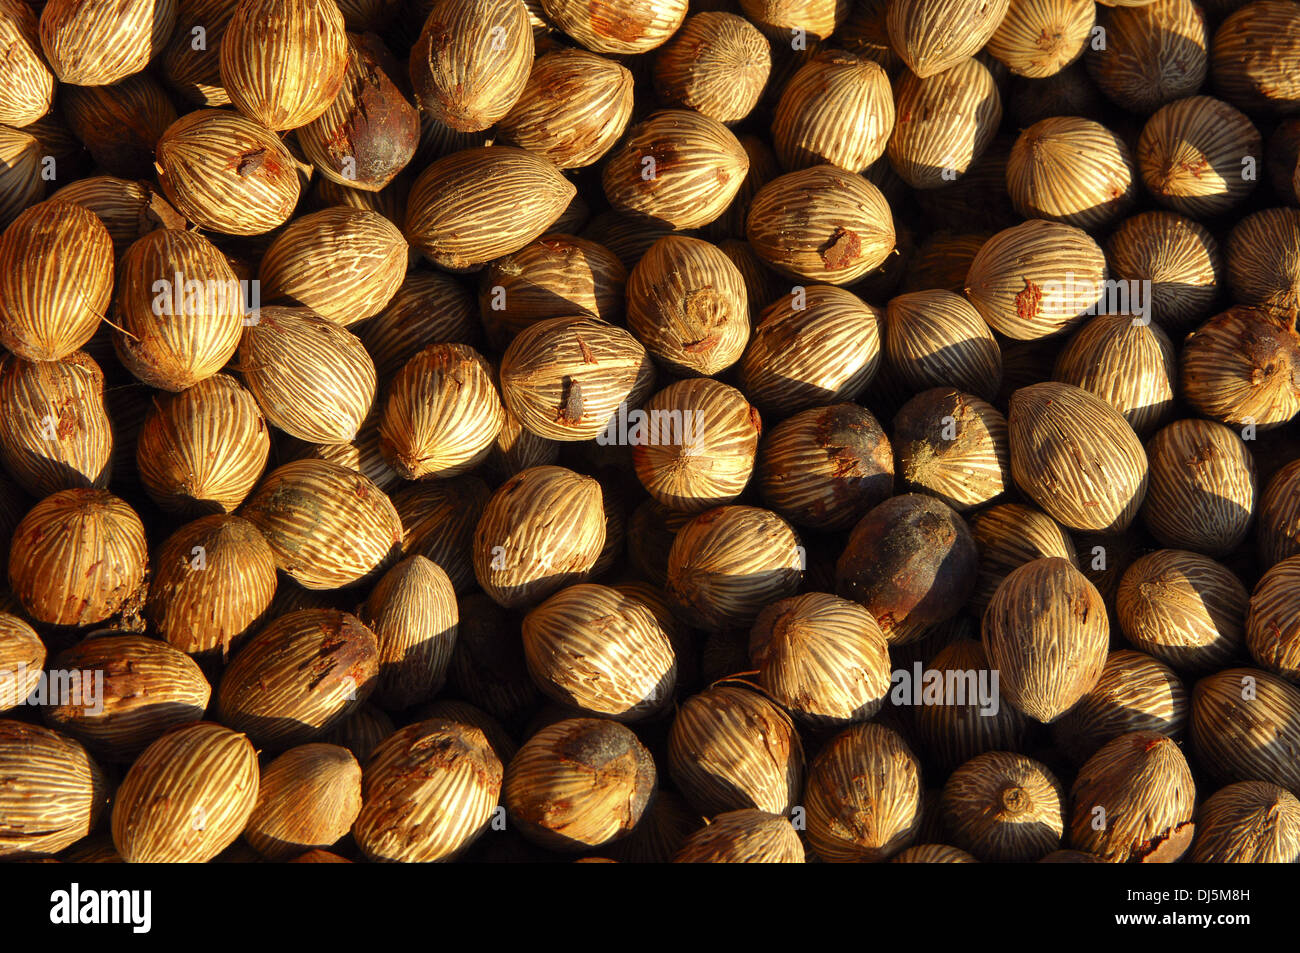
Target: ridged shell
817,345
77,557
22,158
441,415
1246,726
542,529
56,280
717,64
1039,38
1072,170
743,837
821,224
698,445
944,123
573,108
196,74
936,338
1046,631
148,688
564,378
488,666
28,92
427,792
838,109
1264,260
298,677
204,449
362,731
306,798
227,173
579,784
428,308
438,521
187,798
953,446
1242,367
617,26
283,61
1250,48
1144,788
1273,623
863,797
412,611
129,210
99,42
1279,516
121,124
1076,457
180,309
817,19
213,578
593,648
1192,155
1203,487
931,36
1037,279
1135,693
21,649
55,433
1180,259
53,792
729,562
343,263
1251,822
327,525
1009,535
311,377
479,204
825,467
1153,54
1004,808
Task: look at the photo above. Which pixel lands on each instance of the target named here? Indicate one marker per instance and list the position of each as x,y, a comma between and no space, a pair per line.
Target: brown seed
1264,260
579,784
1284,161
442,414
438,521
816,19
1192,153
1071,170
1154,54
99,42
935,338
1036,279
1128,362
428,308
1039,38
1245,724
1242,368
554,276
141,688
196,74
488,666
77,557
815,346
730,749
312,378
542,530
283,61
823,658
717,64
573,108
1250,47
475,205
306,798
345,264
467,715
945,123
693,447
743,837
933,35
838,109
729,562
1046,632
129,210
29,85
121,124
953,446
825,467
22,660
933,854
1203,487
55,432
427,793
56,280
1004,808
412,611
617,26
593,648
566,378
298,677
204,449
362,731
213,579
327,525
911,562
1279,516
1076,457
21,161
1009,535
1273,623
187,797
227,173
1180,259
678,167
1135,693
1251,822
1141,788
863,796
53,795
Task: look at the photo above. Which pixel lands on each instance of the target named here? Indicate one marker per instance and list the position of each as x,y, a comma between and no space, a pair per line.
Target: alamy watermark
189,296
71,688
953,686
1074,295
638,428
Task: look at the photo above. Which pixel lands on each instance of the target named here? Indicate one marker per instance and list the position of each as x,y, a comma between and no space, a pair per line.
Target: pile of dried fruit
641,430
